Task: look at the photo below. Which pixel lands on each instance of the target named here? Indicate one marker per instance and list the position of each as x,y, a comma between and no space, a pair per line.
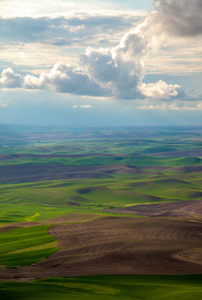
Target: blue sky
145,5
101,62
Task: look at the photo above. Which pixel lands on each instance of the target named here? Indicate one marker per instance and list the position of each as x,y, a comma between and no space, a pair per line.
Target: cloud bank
172,106
67,30
119,71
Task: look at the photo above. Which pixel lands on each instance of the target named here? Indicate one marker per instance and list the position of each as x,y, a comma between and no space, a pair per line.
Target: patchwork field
101,202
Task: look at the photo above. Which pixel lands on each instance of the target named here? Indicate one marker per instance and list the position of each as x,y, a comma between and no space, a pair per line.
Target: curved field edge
109,287
26,246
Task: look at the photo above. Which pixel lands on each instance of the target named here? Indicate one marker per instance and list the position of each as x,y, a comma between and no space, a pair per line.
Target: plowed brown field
121,245
30,173
175,209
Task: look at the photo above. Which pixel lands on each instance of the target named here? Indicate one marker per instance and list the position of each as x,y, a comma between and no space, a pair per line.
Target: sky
101,63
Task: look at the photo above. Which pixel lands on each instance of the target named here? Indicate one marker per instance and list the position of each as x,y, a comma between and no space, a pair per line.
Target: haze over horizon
101,62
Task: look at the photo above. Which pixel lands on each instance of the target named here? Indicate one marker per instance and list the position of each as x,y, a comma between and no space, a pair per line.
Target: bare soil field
176,209
30,173
18,225
120,245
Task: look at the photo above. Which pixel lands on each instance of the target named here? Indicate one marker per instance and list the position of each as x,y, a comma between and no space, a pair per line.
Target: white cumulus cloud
10,80
83,106
119,71
65,79
86,106
162,90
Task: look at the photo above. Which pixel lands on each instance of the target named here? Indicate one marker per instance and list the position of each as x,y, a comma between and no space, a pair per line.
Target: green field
25,246
13,211
100,160
52,198
106,287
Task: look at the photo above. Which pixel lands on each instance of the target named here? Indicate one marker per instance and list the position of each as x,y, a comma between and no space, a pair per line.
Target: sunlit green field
52,198
12,212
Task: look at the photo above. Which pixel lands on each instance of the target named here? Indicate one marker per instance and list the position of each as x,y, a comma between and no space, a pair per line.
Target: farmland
113,287
97,202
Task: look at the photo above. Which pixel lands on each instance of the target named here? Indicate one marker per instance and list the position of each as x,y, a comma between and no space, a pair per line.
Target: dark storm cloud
182,17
